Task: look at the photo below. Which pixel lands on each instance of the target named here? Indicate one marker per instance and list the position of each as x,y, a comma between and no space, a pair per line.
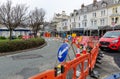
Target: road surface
28,63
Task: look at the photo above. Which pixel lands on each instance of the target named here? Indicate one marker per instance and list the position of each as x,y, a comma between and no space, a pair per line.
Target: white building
100,15
61,21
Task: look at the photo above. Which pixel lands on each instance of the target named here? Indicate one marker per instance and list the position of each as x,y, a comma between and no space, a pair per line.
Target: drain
29,56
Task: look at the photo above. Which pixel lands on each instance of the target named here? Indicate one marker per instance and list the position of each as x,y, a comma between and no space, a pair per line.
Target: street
28,63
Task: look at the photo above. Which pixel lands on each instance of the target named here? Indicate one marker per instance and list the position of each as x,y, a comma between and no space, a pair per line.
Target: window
113,10
102,21
79,17
112,34
116,20
104,5
85,24
72,15
92,23
95,22
103,13
116,10
74,19
65,24
79,24
112,19
85,16
70,26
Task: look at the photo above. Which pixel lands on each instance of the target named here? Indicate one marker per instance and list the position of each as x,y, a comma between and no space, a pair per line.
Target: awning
117,27
77,29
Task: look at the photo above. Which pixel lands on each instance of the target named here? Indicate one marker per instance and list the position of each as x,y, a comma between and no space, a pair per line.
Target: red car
110,40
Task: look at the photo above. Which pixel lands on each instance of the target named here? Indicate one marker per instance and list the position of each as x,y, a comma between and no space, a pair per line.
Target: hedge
15,45
2,37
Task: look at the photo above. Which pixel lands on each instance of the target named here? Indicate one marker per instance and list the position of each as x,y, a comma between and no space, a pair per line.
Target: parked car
110,40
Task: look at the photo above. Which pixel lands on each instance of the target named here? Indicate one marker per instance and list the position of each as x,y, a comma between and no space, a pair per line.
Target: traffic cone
78,52
84,50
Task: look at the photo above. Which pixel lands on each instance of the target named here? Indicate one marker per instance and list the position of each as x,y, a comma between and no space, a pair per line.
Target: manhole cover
29,56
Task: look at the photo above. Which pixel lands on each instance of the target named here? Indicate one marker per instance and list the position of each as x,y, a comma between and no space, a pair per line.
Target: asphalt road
26,64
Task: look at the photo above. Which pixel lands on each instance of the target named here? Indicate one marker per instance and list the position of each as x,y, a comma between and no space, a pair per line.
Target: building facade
100,15
60,21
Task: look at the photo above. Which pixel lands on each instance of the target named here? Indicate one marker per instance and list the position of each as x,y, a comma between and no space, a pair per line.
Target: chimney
94,1
82,6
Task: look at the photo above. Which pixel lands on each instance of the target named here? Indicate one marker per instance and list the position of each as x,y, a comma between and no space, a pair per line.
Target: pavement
110,64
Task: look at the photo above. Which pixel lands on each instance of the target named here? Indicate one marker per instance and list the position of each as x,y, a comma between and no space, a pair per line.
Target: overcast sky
53,6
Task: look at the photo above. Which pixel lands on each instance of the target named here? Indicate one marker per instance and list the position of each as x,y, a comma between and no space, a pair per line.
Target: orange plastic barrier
80,66
80,61
47,34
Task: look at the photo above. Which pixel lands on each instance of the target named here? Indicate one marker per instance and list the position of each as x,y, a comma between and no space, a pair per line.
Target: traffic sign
69,37
62,52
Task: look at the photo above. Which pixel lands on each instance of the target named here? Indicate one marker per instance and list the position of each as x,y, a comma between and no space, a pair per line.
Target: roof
97,6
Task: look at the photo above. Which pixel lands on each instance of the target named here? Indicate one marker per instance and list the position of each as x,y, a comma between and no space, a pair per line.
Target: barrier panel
78,68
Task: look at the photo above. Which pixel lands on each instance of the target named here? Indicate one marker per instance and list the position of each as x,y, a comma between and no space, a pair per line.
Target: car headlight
115,41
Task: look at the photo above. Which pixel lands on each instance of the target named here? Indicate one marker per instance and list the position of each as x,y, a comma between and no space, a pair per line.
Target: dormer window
95,7
104,4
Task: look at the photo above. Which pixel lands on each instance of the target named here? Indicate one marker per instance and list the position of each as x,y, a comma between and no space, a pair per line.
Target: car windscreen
113,34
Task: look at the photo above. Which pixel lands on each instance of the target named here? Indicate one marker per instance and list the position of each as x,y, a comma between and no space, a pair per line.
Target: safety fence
78,68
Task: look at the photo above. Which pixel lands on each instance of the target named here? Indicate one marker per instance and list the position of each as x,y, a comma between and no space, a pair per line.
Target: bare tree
12,16
36,19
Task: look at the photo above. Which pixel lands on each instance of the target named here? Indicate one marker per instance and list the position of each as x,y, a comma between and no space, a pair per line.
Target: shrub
16,45
20,36
13,37
2,37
